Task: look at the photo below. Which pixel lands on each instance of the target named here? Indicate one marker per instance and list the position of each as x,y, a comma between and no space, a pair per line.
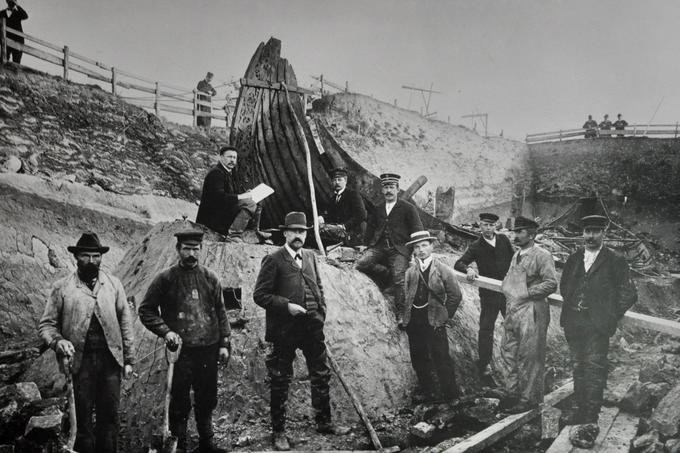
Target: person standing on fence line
620,124
591,127
597,291
13,16
205,94
606,125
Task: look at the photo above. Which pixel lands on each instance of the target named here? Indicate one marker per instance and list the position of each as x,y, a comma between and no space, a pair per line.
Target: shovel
167,442
73,430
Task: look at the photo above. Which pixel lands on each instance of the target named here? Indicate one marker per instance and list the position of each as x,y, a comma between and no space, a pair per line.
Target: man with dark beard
344,217
88,322
192,315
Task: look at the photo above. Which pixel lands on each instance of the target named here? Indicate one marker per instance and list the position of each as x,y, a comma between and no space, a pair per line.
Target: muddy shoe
584,436
280,441
209,446
330,428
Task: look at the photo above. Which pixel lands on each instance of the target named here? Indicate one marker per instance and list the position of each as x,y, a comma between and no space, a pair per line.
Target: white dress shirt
491,242
293,254
389,206
589,258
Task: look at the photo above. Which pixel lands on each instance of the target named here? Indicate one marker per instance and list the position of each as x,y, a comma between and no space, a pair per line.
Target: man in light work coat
529,281
432,298
597,291
87,320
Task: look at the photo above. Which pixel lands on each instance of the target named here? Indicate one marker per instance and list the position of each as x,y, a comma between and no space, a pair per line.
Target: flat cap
488,217
191,237
389,178
594,221
523,223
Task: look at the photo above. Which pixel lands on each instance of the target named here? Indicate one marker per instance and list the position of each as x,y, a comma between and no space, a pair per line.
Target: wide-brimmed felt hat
88,242
295,221
420,236
594,221
523,223
488,217
389,178
338,171
189,237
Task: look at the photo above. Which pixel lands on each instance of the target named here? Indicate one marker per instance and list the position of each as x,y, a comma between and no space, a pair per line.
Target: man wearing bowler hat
432,298
530,279
88,322
389,228
492,252
185,307
289,288
344,217
597,291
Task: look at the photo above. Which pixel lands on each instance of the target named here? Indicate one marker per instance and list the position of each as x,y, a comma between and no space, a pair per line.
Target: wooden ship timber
270,130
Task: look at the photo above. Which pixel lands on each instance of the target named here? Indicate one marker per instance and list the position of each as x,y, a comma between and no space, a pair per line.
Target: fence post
346,86
195,107
114,81
3,41
560,134
66,62
676,130
156,104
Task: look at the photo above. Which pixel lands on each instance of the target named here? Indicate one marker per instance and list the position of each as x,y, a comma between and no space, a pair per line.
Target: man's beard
88,271
190,261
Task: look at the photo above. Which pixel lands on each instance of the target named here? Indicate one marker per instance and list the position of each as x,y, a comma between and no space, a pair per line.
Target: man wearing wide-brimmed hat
492,253
530,279
184,306
432,298
390,226
344,216
87,321
289,288
597,291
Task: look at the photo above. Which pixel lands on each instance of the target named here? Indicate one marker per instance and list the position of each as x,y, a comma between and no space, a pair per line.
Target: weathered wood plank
619,437
255,83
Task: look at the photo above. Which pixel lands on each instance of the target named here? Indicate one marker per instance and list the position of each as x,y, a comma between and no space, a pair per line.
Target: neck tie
298,259
337,198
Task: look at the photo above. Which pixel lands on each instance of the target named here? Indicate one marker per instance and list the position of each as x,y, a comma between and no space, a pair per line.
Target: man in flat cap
343,219
530,279
289,288
184,306
597,291
390,226
88,323
492,252
432,298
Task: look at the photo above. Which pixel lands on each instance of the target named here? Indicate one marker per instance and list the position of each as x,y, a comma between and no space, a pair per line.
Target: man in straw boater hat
289,288
527,284
492,253
184,306
88,322
389,228
432,298
344,217
597,291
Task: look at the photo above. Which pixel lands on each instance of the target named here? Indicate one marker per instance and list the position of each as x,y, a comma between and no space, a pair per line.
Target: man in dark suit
492,252
289,288
205,94
14,15
597,291
389,228
344,218
222,208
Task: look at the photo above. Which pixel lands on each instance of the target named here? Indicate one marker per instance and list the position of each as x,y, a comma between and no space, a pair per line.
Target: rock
643,396
42,428
243,441
22,393
646,440
550,423
666,416
664,368
12,165
484,410
672,446
423,430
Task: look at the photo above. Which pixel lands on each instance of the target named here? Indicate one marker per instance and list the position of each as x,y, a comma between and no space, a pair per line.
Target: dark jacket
281,281
397,227
190,303
14,21
219,200
349,211
442,281
607,289
492,262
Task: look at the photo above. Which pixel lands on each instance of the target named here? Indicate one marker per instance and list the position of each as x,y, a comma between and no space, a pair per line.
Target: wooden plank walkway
617,430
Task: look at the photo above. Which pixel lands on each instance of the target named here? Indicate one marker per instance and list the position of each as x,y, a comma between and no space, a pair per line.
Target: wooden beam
40,54
254,83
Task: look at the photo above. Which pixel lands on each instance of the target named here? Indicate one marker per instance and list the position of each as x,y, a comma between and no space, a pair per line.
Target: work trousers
196,368
491,305
589,347
523,350
96,388
386,264
429,350
305,333
248,215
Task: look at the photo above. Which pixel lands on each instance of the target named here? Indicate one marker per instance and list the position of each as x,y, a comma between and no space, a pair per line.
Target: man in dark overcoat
344,217
390,226
14,15
492,252
597,291
289,288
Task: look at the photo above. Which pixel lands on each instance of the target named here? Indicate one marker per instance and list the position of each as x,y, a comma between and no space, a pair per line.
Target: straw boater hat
189,237
522,223
420,236
295,221
594,221
88,242
389,178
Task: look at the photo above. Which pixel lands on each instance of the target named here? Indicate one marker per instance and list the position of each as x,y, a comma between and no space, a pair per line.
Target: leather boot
208,445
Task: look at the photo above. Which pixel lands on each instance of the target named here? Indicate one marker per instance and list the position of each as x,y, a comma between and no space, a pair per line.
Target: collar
591,252
225,168
491,242
390,205
527,250
291,252
424,264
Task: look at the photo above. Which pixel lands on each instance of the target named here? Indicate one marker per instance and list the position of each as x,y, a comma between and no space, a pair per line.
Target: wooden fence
632,130
187,101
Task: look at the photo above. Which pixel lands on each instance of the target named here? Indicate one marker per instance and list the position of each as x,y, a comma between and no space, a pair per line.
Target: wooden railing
632,130
161,94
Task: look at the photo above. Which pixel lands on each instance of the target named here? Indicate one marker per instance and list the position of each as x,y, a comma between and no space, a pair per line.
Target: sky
533,66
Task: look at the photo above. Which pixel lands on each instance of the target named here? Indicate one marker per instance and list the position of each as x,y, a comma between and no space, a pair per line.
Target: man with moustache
597,291
492,252
289,288
88,322
184,306
344,218
389,228
432,298
528,282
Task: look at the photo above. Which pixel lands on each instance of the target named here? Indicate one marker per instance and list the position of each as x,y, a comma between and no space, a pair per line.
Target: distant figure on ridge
205,94
606,125
620,124
13,16
591,127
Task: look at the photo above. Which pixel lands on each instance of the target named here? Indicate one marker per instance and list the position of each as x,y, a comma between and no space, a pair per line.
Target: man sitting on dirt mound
389,228
344,218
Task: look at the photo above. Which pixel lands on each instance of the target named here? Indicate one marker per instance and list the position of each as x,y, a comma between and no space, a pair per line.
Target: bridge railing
632,130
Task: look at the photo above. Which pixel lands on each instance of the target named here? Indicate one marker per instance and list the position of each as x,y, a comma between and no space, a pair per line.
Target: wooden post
676,130
65,62
3,41
346,86
560,134
321,80
157,105
114,81
195,107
